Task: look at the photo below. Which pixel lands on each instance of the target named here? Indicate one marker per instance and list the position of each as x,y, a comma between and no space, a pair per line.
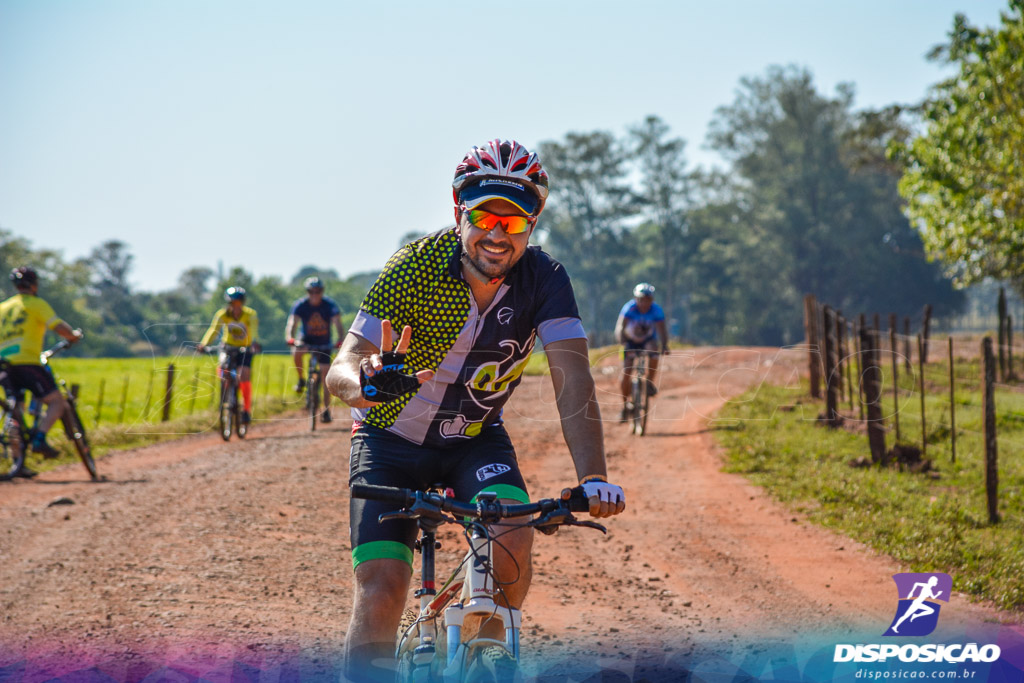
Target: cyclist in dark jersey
318,314
469,303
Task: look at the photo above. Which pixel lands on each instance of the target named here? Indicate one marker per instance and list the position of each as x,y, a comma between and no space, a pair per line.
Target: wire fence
919,400
147,392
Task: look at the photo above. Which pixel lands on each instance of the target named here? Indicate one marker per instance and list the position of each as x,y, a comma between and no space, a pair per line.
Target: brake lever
589,525
397,514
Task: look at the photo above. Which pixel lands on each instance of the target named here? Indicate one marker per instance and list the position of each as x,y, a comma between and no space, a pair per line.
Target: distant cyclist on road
435,351
640,327
24,320
240,325
318,315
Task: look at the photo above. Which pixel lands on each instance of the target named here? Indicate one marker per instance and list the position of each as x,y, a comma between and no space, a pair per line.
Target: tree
664,197
964,181
192,284
583,224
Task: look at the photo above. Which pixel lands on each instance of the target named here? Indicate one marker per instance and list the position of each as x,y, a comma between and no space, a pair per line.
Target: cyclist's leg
652,361
38,381
628,358
245,380
325,363
382,554
297,354
488,463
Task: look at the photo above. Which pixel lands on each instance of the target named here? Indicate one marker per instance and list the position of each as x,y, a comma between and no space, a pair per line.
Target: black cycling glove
390,382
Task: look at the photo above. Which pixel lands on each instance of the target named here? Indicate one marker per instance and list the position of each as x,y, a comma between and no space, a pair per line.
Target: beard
490,265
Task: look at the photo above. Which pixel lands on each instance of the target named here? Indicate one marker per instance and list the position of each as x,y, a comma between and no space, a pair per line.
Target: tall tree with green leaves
583,224
664,197
964,181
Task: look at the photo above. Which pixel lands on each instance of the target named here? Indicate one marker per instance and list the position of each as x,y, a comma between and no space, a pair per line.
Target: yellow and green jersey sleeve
24,320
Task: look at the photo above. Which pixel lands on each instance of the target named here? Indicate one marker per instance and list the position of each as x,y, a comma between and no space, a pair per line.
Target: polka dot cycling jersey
478,356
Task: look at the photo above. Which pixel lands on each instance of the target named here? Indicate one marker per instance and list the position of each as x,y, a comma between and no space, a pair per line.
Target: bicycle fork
478,599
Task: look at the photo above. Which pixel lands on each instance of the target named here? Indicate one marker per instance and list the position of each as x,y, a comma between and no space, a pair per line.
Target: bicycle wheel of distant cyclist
313,386
226,411
76,435
12,450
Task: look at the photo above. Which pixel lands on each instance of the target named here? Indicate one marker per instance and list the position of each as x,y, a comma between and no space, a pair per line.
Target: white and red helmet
501,169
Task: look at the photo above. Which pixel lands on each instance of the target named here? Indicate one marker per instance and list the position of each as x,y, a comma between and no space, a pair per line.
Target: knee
383,585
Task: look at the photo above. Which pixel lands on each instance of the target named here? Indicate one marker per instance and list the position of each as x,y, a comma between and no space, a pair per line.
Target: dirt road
200,558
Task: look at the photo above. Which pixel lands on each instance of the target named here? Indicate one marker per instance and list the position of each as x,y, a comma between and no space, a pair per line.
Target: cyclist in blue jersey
467,305
640,327
318,314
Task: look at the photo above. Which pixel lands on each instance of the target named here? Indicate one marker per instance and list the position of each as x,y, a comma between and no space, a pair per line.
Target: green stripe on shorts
381,550
505,491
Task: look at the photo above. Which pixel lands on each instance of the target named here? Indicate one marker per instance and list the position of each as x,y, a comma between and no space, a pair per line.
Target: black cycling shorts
323,355
630,348
244,358
486,462
33,378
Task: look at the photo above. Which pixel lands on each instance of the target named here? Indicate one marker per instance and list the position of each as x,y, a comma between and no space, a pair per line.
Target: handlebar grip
387,494
577,501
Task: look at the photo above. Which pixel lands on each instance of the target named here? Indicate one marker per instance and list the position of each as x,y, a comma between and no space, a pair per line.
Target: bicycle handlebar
303,346
486,510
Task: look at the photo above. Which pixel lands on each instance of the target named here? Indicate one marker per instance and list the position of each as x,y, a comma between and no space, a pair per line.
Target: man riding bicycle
466,305
24,320
640,328
318,314
241,325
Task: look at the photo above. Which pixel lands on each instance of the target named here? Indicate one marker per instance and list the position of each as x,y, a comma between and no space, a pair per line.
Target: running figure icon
917,607
918,610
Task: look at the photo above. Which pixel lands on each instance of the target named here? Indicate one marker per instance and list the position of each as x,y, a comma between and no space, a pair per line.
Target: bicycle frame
229,371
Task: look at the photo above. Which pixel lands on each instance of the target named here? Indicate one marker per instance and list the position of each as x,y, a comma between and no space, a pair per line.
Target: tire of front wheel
492,664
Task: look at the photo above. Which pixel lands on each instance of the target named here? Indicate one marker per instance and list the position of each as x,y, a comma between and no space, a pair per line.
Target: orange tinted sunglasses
485,220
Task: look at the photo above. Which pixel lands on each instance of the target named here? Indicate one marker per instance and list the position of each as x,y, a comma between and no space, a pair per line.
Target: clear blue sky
275,134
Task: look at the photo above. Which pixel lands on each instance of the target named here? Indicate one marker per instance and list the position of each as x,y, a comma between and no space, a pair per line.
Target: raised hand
382,376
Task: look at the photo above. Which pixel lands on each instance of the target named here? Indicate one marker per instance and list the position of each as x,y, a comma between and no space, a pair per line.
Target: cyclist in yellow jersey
241,326
24,320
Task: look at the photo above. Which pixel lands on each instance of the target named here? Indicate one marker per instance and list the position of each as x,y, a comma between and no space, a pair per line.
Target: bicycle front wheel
492,664
226,413
241,426
313,387
76,434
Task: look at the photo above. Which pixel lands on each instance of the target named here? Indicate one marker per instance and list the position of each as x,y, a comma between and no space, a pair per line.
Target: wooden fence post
876,322
99,399
926,325
831,409
124,399
813,354
920,370
168,393
873,395
195,389
952,405
906,345
1011,376
840,354
74,391
861,326
849,362
149,395
895,378
989,413
1002,334
214,389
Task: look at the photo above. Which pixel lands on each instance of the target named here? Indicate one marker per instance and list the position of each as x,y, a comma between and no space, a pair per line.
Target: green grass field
121,401
929,524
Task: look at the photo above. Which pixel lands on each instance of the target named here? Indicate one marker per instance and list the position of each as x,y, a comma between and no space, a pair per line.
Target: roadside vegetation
929,521
131,411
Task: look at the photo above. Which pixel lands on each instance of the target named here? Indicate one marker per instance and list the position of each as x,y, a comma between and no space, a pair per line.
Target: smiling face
494,252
